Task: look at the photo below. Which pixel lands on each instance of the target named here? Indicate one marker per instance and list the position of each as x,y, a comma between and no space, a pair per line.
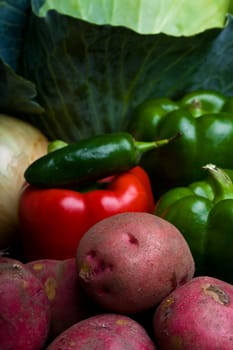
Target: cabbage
91,62
173,17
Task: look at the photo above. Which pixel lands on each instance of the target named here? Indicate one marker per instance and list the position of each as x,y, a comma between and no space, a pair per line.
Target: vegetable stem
223,186
143,146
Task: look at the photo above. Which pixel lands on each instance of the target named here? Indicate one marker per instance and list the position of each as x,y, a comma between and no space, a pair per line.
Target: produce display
116,175
204,118
53,220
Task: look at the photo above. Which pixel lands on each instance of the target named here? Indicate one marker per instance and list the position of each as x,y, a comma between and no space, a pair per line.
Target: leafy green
17,95
172,17
79,68
90,77
13,17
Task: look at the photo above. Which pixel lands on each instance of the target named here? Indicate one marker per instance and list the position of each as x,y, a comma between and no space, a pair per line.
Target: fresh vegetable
104,332
197,316
129,60
129,262
206,136
52,221
203,102
20,145
89,160
67,301
148,115
24,308
203,212
143,21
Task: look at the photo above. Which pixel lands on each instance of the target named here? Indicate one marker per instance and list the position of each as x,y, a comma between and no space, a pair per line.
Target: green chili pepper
89,160
203,212
205,121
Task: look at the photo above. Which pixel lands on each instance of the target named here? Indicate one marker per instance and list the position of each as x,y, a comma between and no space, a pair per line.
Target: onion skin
20,144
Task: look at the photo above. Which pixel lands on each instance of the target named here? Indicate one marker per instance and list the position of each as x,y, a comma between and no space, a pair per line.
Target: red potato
104,332
60,281
196,316
24,308
129,262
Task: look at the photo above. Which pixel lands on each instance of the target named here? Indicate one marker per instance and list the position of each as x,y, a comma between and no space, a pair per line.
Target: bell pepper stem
223,186
143,146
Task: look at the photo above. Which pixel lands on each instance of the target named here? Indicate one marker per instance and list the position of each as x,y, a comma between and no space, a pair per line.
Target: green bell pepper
205,121
203,212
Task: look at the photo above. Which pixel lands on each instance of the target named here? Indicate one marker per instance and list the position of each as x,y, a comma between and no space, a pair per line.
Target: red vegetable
66,299
53,220
129,262
24,308
196,316
106,331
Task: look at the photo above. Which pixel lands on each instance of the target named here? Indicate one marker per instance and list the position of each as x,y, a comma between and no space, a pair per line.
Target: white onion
20,145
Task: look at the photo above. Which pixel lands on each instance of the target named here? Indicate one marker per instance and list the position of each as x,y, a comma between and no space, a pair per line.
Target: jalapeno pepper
53,220
205,121
203,212
88,160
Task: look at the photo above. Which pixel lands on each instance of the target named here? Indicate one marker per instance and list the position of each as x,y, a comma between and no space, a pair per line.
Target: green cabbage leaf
172,17
79,68
17,95
90,77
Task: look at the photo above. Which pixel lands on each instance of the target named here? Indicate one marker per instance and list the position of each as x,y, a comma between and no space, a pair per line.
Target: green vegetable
206,136
173,17
88,160
106,66
203,102
17,95
203,212
147,115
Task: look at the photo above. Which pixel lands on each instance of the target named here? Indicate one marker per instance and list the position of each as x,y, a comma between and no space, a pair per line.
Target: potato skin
24,308
104,332
62,287
196,316
129,262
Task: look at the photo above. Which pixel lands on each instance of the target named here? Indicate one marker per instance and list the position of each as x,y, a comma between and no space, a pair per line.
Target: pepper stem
143,146
55,145
223,186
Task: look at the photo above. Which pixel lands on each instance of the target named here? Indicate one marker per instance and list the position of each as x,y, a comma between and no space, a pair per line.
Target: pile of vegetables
116,175
203,117
131,285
